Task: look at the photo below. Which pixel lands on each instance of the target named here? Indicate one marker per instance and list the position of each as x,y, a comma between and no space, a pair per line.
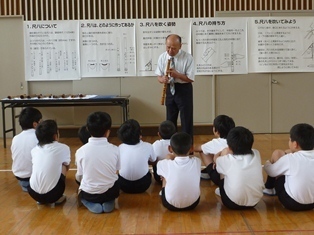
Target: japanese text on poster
108,48
281,44
220,46
151,36
51,50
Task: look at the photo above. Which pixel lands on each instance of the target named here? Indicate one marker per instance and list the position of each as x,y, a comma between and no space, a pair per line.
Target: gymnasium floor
143,213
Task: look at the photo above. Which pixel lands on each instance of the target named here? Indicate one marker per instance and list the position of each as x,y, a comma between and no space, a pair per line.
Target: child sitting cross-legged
180,175
161,147
290,172
221,127
237,170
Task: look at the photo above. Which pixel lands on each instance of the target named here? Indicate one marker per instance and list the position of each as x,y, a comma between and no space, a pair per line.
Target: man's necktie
172,88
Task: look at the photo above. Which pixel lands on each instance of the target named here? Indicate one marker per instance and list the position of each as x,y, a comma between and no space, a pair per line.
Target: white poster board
220,46
107,48
51,50
151,38
281,44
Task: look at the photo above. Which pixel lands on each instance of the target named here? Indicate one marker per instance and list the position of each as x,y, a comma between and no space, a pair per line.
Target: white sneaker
269,191
217,192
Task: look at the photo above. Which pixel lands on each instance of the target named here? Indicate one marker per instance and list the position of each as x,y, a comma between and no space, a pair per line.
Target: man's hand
163,79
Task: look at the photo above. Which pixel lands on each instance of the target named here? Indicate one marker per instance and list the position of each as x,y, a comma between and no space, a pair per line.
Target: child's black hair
46,131
240,140
28,116
223,124
303,134
166,129
130,132
83,134
98,123
181,143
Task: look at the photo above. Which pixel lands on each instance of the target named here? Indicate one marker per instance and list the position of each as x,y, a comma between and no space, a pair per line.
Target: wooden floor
143,213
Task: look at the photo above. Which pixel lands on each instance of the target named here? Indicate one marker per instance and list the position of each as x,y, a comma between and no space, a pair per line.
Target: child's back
134,160
243,179
47,161
183,180
134,175
161,147
221,127
23,143
51,161
99,161
240,170
181,175
97,165
21,147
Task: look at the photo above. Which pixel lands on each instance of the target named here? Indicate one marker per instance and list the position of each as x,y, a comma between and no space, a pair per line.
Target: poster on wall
151,36
51,50
220,46
107,48
281,44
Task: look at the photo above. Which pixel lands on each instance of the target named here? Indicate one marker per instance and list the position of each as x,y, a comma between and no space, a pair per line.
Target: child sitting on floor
97,165
161,147
238,171
51,161
291,174
135,154
180,175
221,127
23,143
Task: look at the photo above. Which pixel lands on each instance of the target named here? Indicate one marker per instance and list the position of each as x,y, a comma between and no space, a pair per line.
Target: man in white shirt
181,76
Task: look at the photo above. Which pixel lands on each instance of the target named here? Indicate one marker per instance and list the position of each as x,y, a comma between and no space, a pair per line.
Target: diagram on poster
309,52
232,60
219,46
107,48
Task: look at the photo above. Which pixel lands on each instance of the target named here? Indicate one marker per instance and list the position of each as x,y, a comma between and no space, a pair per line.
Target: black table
98,100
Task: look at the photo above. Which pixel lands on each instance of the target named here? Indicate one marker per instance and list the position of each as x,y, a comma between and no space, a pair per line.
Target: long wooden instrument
163,95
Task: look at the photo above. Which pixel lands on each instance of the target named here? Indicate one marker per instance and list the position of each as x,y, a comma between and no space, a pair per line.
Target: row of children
99,161
235,167
104,169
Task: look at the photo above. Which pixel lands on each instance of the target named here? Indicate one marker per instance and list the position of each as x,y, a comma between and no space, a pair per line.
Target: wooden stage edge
71,131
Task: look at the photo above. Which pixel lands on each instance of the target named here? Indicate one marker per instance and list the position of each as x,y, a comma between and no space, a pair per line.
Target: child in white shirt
161,147
51,161
221,127
135,154
240,170
290,172
23,143
97,165
180,175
